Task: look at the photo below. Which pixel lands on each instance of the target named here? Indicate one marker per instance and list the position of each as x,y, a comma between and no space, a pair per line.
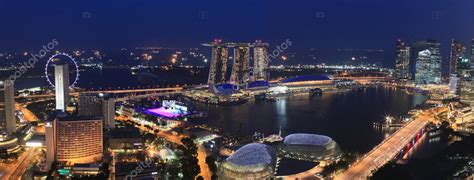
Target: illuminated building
402,61
218,66
459,67
89,105
261,61
252,161
169,109
200,135
125,139
310,147
98,104
108,110
467,89
79,140
464,75
50,144
308,80
73,139
428,63
7,108
85,169
225,89
258,85
61,76
241,72
241,63
453,83
457,53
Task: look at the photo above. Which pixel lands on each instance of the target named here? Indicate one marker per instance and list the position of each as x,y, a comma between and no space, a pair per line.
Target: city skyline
207,90
308,24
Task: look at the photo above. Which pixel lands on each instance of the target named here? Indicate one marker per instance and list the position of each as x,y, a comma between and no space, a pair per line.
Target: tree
189,161
211,163
3,154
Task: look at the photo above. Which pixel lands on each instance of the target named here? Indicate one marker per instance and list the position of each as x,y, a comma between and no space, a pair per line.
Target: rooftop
252,155
256,84
306,139
118,133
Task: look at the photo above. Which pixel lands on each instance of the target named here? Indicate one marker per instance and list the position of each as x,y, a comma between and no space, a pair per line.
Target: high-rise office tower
428,63
402,61
459,66
464,75
416,47
7,108
50,143
241,63
218,66
61,77
260,61
90,104
457,53
108,110
467,90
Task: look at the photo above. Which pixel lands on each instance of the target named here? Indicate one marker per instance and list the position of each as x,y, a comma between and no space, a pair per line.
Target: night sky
324,24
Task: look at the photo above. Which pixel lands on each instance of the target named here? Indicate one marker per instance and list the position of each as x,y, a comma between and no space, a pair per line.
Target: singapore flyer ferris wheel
50,61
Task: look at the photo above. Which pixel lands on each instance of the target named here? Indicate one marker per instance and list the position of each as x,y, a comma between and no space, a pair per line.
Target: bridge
365,77
398,143
134,93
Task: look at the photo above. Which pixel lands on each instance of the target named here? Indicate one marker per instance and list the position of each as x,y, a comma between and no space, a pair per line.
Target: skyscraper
50,142
7,108
416,47
218,66
464,75
61,74
467,90
428,63
108,110
90,104
402,61
261,60
457,53
241,63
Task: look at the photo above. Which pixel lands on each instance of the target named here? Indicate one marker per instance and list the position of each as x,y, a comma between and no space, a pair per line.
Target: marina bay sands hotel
241,72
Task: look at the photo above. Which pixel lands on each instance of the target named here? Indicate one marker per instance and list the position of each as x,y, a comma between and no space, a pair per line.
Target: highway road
107,91
389,148
22,164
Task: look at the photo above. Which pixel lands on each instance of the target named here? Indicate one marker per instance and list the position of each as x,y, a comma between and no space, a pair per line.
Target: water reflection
346,117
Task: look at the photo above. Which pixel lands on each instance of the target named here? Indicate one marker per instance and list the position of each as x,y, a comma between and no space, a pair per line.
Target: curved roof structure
306,78
226,88
253,154
306,139
256,84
